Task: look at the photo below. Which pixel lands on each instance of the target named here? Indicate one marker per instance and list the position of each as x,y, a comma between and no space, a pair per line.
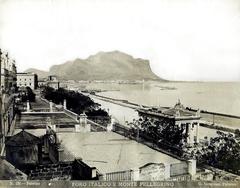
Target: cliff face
105,66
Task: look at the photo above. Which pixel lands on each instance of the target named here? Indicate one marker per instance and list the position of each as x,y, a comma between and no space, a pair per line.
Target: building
8,73
41,82
23,149
53,82
8,88
71,150
116,158
178,116
27,80
50,81
10,172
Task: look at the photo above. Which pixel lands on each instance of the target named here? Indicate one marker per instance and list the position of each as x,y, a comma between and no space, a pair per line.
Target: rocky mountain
113,65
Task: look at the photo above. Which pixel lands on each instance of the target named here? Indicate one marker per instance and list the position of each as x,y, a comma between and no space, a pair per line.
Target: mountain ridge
113,65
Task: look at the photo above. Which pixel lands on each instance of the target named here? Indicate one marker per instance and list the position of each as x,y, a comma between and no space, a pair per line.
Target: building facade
23,149
27,80
53,82
50,81
179,117
8,73
8,88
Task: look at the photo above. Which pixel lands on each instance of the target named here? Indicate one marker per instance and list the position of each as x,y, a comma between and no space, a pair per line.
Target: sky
183,39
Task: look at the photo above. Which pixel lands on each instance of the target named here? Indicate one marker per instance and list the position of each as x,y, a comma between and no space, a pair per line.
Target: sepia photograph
119,93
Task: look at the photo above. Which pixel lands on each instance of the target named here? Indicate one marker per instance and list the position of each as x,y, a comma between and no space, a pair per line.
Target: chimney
51,106
65,104
28,106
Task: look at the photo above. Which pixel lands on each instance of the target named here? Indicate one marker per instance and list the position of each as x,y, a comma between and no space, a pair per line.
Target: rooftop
26,73
39,120
178,112
35,132
9,172
23,138
110,152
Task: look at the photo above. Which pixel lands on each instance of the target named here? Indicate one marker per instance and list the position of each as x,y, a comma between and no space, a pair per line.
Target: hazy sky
183,39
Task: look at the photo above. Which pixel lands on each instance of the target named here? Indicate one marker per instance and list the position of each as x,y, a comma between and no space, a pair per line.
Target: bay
221,97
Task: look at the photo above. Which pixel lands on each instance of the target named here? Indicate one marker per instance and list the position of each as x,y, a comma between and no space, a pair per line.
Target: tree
237,133
223,152
76,102
28,95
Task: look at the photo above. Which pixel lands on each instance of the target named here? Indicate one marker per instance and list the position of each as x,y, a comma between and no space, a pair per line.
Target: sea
220,97
223,97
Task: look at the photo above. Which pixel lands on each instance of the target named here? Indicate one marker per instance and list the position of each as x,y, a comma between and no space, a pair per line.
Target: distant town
51,129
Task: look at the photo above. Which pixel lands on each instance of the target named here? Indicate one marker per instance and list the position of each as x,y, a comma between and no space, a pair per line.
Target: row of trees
76,102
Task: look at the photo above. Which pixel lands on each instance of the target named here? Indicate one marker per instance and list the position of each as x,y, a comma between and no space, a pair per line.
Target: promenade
212,120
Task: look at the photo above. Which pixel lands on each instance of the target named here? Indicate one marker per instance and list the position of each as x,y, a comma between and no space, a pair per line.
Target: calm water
217,97
123,114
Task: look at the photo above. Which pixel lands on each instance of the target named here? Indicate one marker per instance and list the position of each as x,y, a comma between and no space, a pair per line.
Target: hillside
113,65
41,74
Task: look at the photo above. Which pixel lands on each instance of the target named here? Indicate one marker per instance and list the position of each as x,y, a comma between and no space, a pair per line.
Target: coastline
205,123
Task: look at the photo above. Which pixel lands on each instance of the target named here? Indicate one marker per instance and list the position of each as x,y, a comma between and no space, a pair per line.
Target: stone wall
61,171
71,170
154,172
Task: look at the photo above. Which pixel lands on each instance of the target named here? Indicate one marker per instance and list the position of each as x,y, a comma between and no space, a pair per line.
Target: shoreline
205,123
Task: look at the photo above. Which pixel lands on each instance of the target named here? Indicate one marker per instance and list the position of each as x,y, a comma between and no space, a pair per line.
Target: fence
119,176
